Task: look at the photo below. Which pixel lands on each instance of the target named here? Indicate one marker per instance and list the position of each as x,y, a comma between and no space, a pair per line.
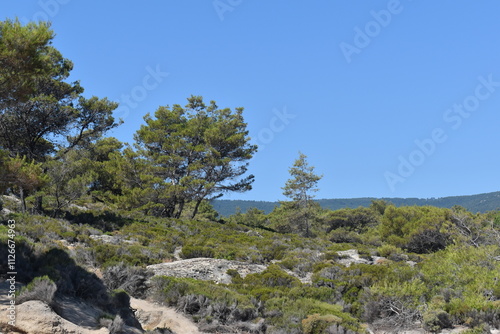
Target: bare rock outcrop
206,269
37,317
351,256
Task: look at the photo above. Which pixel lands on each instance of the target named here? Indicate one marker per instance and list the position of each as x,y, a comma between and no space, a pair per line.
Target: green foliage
474,203
451,279
436,320
301,308
388,250
121,209
39,110
195,153
351,220
273,276
252,218
132,254
21,177
193,251
303,181
299,189
417,229
171,290
102,160
317,324
70,178
291,217
205,211
467,277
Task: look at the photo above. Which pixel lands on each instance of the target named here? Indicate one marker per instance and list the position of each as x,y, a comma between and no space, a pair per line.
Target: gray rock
206,269
351,256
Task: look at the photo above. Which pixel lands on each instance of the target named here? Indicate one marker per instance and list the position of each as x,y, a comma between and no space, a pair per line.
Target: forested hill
474,203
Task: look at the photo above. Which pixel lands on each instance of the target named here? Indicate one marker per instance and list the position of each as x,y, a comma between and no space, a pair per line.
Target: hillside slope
474,203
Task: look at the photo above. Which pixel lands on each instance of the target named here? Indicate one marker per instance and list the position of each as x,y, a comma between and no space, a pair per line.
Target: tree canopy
194,153
39,111
299,189
303,182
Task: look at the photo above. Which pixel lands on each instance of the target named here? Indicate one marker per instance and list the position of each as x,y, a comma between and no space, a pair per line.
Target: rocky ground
206,269
75,317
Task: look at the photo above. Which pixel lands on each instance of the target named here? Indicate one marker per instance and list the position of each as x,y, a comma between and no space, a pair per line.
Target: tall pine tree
300,189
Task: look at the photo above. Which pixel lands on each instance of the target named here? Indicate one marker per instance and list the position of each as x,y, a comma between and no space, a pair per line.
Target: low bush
130,279
117,325
388,250
317,324
292,312
41,288
342,235
273,276
436,320
190,252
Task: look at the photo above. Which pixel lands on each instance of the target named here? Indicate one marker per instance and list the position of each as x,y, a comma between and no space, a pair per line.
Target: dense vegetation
85,204
52,146
437,266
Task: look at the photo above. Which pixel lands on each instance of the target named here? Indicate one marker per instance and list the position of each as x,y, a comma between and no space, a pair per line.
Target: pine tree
40,112
196,153
300,188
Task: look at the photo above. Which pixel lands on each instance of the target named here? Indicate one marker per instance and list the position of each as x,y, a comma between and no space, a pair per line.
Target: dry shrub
41,288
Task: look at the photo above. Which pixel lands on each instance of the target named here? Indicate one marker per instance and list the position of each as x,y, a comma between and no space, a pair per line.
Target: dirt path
152,316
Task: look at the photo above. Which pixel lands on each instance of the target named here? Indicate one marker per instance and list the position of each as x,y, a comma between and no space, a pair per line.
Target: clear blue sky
354,85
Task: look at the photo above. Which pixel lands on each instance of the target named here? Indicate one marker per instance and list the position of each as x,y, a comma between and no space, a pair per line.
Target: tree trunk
307,227
38,208
179,211
195,211
23,200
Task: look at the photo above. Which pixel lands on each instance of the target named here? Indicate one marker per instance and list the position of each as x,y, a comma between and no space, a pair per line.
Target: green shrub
41,288
289,310
356,220
436,320
342,235
387,250
273,276
170,289
190,252
481,329
419,229
316,323
235,276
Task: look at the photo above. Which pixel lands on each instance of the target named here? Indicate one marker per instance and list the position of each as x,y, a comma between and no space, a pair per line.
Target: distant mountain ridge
474,203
